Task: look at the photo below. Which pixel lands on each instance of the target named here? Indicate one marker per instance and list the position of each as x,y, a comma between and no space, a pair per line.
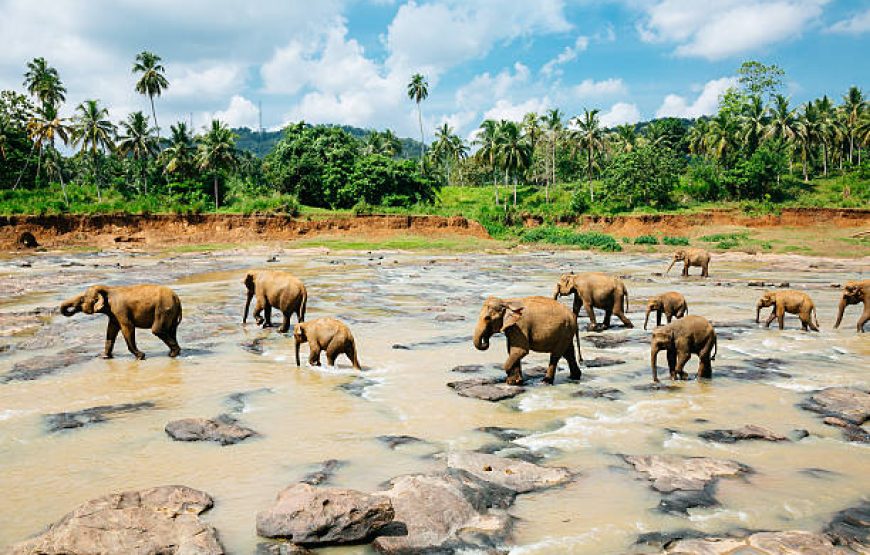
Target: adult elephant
130,307
595,290
277,289
855,292
672,304
692,257
530,324
681,339
793,302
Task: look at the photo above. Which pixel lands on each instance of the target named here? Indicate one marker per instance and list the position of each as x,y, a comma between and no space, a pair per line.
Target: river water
427,304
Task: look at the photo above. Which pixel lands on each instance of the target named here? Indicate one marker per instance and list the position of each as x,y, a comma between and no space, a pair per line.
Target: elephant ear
101,301
512,315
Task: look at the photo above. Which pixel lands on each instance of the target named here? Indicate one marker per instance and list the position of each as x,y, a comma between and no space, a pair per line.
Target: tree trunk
422,139
154,115
589,176
216,203
515,191
825,158
495,184
26,163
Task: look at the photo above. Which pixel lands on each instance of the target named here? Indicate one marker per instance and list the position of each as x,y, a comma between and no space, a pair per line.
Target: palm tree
418,91
3,140
754,122
43,82
625,136
721,135
217,152
514,151
45,127
153,81
532,131
552,121
696,137
392,146
373,143
854,107
487,139
137,141
93,132
590,137
808,131
782,125
178,156
826,129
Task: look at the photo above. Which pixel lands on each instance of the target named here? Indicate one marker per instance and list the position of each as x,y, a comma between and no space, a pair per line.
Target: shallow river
428,304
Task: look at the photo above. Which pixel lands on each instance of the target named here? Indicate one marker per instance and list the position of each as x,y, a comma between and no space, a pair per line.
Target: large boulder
222,429
796,542
146,522
445,512
748,432
485,389
93,415
311,515
844,407
851,527
517,475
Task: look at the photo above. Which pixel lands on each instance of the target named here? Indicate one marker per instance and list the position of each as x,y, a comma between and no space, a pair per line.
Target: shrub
579,201
675,241
646,240
362,208
644,176
703,181
564,236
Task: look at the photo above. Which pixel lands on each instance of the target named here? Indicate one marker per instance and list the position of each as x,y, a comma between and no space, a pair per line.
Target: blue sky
332,61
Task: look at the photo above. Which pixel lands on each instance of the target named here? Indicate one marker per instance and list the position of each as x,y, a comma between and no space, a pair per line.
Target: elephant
673,304
129,307
325,333
595,290
277,289
530,324
855,292
681,339
692,257
793,302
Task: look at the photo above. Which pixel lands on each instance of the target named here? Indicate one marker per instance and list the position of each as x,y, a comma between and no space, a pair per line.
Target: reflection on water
411,315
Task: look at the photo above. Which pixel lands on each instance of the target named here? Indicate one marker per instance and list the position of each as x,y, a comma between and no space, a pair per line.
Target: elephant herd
538,324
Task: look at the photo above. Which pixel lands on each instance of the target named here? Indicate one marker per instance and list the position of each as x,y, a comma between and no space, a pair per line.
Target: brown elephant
673,305
595,290
681,339
855,292
325,334
129,307
793,302
692,257
530,324
274,288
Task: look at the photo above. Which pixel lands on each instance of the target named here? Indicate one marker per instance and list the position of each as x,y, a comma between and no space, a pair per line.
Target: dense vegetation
757,152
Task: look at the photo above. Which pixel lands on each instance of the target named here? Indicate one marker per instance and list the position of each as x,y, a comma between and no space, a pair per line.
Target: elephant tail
715,347
815,316
625,294
577,338
178,318
303,306
352,355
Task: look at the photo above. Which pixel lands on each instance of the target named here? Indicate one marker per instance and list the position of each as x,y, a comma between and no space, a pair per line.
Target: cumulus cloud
619,113
568,54
484,87
855,25
706,103
591,89
241,112
212,80
717,30
507,110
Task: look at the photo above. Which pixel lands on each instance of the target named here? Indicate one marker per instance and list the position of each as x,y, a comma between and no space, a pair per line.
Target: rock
503,434
748,432
44,365
756,284
468,368
150,521
222,429
321,516
599,362
445,512
656,386
78,419
253,346
607,341
238,402
394,441
485,389
449,318
358,386
517,475
281,548
760,543
799,434
27,240
846,403
851,527
609,393
784,284
436,342
680,501
323,474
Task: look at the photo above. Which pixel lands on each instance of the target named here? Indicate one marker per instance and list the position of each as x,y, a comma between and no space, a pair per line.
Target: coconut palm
392,146
782,124
45,127
721,137
3,140
373,143
589,137
418,91
533,132
854,106
487,139
825,130
43,82
153,81
217,153
753,121
93,132
514,151
625,137
444,149
138,142
696,137
808,134
178,156
552,122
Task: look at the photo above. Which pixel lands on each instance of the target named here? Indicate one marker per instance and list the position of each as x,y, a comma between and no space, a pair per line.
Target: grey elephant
793,302
274,288
855,292
692,257
672,304
130,307
692,335
595,290
325,334
530,324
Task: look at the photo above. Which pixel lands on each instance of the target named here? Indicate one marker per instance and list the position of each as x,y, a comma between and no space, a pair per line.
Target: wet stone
358,386
93,415
846,403
395,441
468,368
222,429
253,346
517,475
239,402
437,342
608,341
609,393
660,386
851,527
281,548
44,365
600,362
485,389
821,473
755,370
760,543
324,472
449,318
504,434
748,432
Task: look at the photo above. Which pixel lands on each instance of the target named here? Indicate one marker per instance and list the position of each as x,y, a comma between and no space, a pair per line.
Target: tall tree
758,79
448,148
696,138
514,151
625,137
46,127
43,83
217,153
826,129
854,107
93,133
418,91
152,81
532,131
808,132
392,146
138,142
178,157
590,137
782,125
753,122
552,121
487,139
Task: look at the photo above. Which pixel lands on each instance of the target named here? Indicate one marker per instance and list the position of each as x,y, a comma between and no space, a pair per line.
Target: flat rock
468,368
609,341
485,389
600,362
671,472
504,434
44,365
761,543
323,473
847,403
445,512
748,432
609,393
449,318
239,402
394,441
93,415
281,548
517,475
149,521
357,386
311,515
222,429
851,527
437,342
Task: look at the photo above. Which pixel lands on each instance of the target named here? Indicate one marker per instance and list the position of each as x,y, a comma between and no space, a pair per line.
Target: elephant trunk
674,261
247,307
757,312
840,311
645,320
556,293
296,345
353,357
653,355
71,306
481,337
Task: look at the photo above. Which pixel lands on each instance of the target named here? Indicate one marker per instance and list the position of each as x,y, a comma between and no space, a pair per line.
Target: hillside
261,143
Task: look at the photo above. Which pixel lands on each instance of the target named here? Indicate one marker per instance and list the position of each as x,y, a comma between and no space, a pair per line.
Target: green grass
675,241
564,236
646,240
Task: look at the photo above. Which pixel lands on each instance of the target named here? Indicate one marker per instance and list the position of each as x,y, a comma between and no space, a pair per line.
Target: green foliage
646,240
675,241
579,201
759,176
566,236
644,176
376,177
362,208
703,181
726,241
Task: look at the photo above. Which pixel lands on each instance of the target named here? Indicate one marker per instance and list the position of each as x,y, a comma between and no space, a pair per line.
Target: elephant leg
512,366
258,310
333,349
682,359
285,325
590,311
111,334
129,332
314,354
608,312
577,305
770,318
551,369
571,358
686,269
704,272
780,316
672,363
168,338
705,369
863,319
267,315
619,313
669,316
659,318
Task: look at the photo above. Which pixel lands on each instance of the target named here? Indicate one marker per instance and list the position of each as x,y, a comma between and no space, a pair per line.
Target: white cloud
706,103
590,89
619,113
240,113
214,80
483,88
568,54
855,25
725,28
507,110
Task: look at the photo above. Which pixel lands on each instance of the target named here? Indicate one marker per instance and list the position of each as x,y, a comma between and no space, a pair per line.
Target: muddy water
309,415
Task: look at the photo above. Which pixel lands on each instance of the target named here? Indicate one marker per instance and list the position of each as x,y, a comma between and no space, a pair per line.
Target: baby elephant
855,292
682,339
793,302
325,333
276,289
673,304
692,257
130,307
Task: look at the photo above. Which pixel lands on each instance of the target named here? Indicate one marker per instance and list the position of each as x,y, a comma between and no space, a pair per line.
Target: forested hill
262,144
